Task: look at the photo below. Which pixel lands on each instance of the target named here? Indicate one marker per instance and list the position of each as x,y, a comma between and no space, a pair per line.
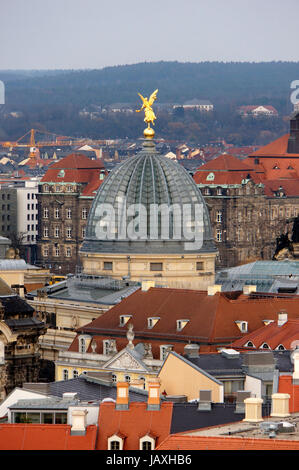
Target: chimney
153,402
295,360
282,318
241,397
191,350
122,396
280,405
293,142
78,422
212,290
146,285
253,410
248,289
205,400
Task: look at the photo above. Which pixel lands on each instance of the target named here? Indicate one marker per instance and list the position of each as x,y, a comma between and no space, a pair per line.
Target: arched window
75,374
115,442
82,345
114,378
127,378
142,379
147,443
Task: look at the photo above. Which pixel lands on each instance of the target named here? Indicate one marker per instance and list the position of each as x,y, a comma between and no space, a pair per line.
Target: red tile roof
133,423
77,169
183,442
45,437
276,148
289,186
272,334
212,318
227,169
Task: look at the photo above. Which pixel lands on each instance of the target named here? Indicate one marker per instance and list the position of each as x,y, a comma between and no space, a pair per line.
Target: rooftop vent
230,353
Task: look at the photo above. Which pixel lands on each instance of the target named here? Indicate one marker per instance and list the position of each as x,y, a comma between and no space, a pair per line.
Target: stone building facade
254,201
246,222
65,195
19,347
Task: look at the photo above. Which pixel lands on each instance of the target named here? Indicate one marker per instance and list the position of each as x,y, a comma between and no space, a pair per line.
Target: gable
125,361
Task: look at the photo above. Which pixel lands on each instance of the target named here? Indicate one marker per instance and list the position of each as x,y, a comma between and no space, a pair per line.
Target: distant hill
52,100
240,83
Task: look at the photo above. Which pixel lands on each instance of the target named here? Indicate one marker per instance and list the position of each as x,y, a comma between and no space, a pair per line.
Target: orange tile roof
272,334
277,148
183,442
212,317
45,437
227,169
133,423
77,169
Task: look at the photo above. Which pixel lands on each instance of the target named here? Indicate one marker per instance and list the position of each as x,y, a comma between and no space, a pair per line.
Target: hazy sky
64,34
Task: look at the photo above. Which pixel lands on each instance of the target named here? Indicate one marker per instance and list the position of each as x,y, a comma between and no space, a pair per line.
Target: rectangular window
68,232
83,232
84,213
219,235
69,213
56,213
56,232
199,265
68,252
46,213
156,266
108,266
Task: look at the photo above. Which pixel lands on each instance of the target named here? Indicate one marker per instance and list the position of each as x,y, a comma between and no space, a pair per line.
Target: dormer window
280,347
180,324
265,346
267,322
115,442
61,174
147,443
243,326
249,344
164,350
152,321
123,319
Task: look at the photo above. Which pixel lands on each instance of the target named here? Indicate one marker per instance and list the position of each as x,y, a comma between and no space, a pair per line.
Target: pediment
125,361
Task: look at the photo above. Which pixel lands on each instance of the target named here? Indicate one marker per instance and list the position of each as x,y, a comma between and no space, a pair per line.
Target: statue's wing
153,97
141,97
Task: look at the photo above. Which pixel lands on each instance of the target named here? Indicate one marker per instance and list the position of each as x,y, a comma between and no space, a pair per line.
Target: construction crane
59,140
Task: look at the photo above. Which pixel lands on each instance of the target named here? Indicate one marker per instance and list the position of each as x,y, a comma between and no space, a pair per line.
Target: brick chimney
153,402
122,396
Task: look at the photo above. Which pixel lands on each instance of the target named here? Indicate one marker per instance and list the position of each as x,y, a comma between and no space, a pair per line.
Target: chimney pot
212,290
253,410
122,396
280,405
78,422
153,402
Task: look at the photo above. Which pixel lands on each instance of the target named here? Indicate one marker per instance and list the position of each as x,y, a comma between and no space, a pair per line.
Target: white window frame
46,232
84,213
65,374
46,213
115,438
147,438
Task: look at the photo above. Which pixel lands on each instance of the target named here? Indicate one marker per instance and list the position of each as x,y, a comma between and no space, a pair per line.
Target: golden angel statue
147,106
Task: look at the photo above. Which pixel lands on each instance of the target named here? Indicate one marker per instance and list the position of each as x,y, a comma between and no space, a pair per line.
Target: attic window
281,347
290,167
180,324
243,326
123,319
276,167
210,177
265,346
249,344
61,174
152,321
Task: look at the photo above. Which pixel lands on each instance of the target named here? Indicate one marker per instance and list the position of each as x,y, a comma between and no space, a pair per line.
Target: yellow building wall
179,378
120,375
